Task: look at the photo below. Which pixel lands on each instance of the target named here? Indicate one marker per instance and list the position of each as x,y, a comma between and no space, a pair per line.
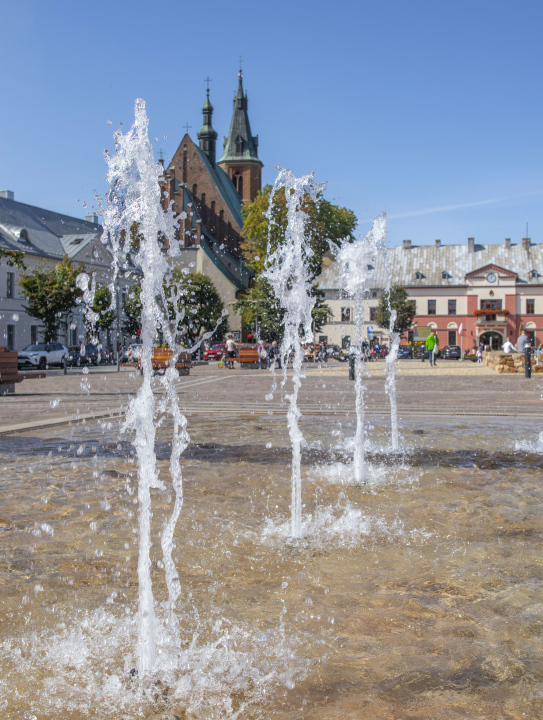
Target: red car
215,352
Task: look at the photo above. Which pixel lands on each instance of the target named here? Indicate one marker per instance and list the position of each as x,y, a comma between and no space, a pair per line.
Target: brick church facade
207,195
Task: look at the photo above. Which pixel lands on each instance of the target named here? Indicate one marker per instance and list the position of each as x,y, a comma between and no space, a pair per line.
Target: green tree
259,306
201,303
405,309
101,306
51,294
14,258
325,222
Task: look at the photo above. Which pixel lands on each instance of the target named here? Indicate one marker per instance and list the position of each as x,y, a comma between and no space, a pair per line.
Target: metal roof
240,145
49,233
446,265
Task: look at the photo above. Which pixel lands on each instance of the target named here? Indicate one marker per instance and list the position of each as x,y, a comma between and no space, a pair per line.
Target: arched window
23,236
419,275
445,275
213,207
240,185
194,190
534,273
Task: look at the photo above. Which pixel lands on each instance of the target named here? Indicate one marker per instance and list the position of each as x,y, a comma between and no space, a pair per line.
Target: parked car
215,352
405,351
86,355
451,352
39,355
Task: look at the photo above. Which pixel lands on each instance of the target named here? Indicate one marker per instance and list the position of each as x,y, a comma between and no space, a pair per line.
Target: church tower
207,135
240,156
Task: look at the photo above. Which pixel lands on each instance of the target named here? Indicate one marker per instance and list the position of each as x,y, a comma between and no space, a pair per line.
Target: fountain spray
357,259
288,274
134,202
391,358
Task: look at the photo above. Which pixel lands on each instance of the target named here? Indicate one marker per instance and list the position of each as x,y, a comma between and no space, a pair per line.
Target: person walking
263,357
230,352
508,347
432,345
522,341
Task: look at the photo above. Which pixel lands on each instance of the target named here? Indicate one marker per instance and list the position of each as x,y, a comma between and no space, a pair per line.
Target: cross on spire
161,153
187,127
207,80
240,61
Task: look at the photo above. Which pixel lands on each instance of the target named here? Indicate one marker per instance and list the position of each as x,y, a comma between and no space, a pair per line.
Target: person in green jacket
432,345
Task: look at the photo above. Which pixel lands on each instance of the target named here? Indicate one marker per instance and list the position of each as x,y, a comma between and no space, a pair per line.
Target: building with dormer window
491,291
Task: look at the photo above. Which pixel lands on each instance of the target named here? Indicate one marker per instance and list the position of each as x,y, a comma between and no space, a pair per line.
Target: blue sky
431,111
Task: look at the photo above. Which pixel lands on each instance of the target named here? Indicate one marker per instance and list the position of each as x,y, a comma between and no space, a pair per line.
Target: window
374,293
346,342
34,334
452,309
345,314
445,275
419,275
530,307
10,286
534,273
10,336
452,337
194,190
73,336
431,307
213,207
373,314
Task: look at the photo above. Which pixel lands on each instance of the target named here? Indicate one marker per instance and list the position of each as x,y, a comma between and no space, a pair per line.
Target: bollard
65,365
351,367
527,362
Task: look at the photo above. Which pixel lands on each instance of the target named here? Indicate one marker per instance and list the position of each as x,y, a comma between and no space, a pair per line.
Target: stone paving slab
449,389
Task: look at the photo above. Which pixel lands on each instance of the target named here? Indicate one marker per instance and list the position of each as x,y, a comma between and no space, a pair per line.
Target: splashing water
134,200
287,272
357,260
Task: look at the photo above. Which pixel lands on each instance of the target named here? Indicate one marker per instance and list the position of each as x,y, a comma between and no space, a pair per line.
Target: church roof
43,232
447,265
225,186
240,145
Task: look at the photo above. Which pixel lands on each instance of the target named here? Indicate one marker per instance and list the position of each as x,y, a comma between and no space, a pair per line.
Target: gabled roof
240,145
456,262
491,267
48,233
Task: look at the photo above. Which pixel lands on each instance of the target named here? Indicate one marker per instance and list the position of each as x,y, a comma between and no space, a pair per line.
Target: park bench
162,358
10,375
247,358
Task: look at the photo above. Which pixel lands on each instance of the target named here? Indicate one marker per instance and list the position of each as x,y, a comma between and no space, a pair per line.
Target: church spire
240,154
207,135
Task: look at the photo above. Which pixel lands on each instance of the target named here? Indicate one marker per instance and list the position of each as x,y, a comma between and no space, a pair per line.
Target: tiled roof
456,261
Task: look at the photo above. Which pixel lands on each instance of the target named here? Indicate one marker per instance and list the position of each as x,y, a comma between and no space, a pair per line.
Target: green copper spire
207,135
240,145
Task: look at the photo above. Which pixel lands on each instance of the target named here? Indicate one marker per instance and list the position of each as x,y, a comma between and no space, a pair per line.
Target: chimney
7,194
471,245
407,244
526,242
92,219
438,243
507,242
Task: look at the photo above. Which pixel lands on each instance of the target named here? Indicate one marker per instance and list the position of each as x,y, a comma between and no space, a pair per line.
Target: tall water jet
391,358
288,274
135,224
357,260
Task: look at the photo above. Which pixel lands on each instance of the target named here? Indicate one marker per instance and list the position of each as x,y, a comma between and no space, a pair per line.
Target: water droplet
109,121
15,317
268,446
80,449
93,525
54,402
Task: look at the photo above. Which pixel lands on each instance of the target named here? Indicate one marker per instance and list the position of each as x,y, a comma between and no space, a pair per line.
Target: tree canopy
196,295
51,293
101,306
200,300
259,306
14,258
325,222
405,309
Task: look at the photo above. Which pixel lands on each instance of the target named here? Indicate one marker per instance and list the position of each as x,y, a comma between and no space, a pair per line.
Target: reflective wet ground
418,595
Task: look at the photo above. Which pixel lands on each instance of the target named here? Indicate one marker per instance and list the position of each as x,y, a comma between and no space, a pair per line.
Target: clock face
491,277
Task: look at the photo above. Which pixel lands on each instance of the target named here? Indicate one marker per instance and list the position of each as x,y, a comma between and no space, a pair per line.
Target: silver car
39,355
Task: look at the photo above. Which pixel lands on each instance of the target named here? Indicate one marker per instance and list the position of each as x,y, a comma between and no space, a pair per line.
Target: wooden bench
10,375
248,357
162,358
